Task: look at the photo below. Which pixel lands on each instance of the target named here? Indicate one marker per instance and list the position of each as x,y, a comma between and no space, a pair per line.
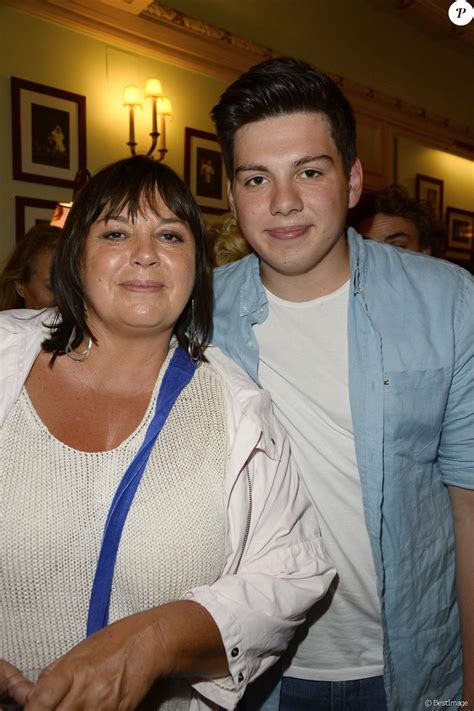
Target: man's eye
257,180
311,173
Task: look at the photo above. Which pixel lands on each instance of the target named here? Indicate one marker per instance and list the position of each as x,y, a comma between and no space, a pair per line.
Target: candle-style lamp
160,109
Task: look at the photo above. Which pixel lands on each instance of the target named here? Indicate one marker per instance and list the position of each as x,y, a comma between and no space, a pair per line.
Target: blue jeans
291,694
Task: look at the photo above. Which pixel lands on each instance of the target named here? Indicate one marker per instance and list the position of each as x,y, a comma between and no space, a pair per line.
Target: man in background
391,216
368,355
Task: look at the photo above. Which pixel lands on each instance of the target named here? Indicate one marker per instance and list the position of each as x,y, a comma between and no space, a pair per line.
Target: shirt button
235,652
260,311
240,678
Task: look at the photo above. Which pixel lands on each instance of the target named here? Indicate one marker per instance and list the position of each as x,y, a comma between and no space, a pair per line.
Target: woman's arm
115,668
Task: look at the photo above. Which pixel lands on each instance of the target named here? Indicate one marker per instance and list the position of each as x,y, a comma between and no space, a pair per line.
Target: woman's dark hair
136,184
22,263
284,86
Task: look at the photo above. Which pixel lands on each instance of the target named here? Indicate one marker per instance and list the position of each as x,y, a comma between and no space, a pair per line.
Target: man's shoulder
416,268
235,272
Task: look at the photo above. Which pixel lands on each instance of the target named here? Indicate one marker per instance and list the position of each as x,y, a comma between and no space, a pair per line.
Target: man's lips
142,286
288,232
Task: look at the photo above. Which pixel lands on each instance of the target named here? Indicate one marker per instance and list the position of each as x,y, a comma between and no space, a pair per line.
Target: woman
25,281
220,554
228,243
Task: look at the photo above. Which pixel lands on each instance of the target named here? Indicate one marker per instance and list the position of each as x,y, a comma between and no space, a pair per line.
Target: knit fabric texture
54,503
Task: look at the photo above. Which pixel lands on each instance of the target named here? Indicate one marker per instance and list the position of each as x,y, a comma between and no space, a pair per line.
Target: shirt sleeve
456,448
283,570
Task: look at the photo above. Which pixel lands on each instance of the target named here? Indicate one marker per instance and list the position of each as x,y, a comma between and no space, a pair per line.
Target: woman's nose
145,252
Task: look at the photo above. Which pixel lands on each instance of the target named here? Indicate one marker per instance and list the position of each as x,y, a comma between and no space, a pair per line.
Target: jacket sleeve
456,448
266,590
21,334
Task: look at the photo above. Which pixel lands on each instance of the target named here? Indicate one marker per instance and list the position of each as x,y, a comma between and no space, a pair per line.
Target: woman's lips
142,286
288,232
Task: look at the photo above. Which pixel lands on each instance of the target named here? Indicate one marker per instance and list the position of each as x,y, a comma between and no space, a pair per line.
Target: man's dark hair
284,86
136,184
396,201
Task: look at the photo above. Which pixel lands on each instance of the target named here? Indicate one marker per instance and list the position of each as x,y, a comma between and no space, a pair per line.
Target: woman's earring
194,349
77,355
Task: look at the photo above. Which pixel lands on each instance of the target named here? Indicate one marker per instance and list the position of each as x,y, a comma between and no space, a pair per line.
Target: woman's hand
115,667
13,684
112,669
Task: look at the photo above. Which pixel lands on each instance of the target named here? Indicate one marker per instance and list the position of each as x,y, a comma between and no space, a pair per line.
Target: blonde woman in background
228,243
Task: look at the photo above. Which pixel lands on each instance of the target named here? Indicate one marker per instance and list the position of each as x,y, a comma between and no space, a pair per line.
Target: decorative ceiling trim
158,13
175,38
436,13
135,7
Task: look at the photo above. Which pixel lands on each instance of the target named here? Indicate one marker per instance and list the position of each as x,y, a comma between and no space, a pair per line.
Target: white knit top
54,502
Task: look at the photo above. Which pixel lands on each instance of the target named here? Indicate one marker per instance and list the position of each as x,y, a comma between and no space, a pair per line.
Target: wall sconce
160,109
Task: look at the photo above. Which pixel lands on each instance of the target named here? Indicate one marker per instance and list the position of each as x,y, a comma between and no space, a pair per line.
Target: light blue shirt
411,385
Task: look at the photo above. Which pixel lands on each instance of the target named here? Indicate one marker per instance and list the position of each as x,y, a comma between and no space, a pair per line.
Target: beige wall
48,54
456,173
368,41
42,52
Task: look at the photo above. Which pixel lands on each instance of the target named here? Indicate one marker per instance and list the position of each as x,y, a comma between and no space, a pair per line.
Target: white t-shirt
304,364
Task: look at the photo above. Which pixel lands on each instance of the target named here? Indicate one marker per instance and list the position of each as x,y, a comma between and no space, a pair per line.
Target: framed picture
430,190
204,171
30,212
49,133
460,240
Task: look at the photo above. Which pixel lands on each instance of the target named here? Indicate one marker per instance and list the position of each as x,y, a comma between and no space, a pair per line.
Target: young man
367,352
391,216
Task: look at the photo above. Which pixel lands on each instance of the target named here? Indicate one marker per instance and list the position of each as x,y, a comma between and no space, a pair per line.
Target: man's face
392,229
290,195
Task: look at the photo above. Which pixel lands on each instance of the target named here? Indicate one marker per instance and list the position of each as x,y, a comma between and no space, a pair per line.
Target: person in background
137,488
25,281
227,242
391,216
367,353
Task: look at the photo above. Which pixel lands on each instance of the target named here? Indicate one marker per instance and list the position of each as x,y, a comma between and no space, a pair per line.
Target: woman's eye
113,235
171,237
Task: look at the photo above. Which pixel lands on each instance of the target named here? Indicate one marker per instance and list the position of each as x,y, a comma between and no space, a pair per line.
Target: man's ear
356,179
231,198
19,288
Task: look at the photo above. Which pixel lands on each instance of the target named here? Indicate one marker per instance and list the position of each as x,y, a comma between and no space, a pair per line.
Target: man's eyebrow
251,166
260,168
310,159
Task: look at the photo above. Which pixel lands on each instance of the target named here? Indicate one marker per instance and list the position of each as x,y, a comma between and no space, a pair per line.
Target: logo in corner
461,12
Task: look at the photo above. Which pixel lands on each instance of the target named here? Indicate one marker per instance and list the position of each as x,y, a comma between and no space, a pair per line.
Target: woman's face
138,275
36,292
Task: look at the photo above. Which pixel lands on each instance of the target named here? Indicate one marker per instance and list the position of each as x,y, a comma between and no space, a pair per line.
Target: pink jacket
275,566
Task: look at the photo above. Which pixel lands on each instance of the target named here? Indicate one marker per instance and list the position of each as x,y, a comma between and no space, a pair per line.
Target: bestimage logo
461,12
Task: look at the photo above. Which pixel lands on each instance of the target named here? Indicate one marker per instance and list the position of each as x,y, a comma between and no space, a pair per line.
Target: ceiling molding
175,38
435,12
135,7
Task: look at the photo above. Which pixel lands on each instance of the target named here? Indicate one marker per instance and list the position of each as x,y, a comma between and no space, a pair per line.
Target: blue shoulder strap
178,374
